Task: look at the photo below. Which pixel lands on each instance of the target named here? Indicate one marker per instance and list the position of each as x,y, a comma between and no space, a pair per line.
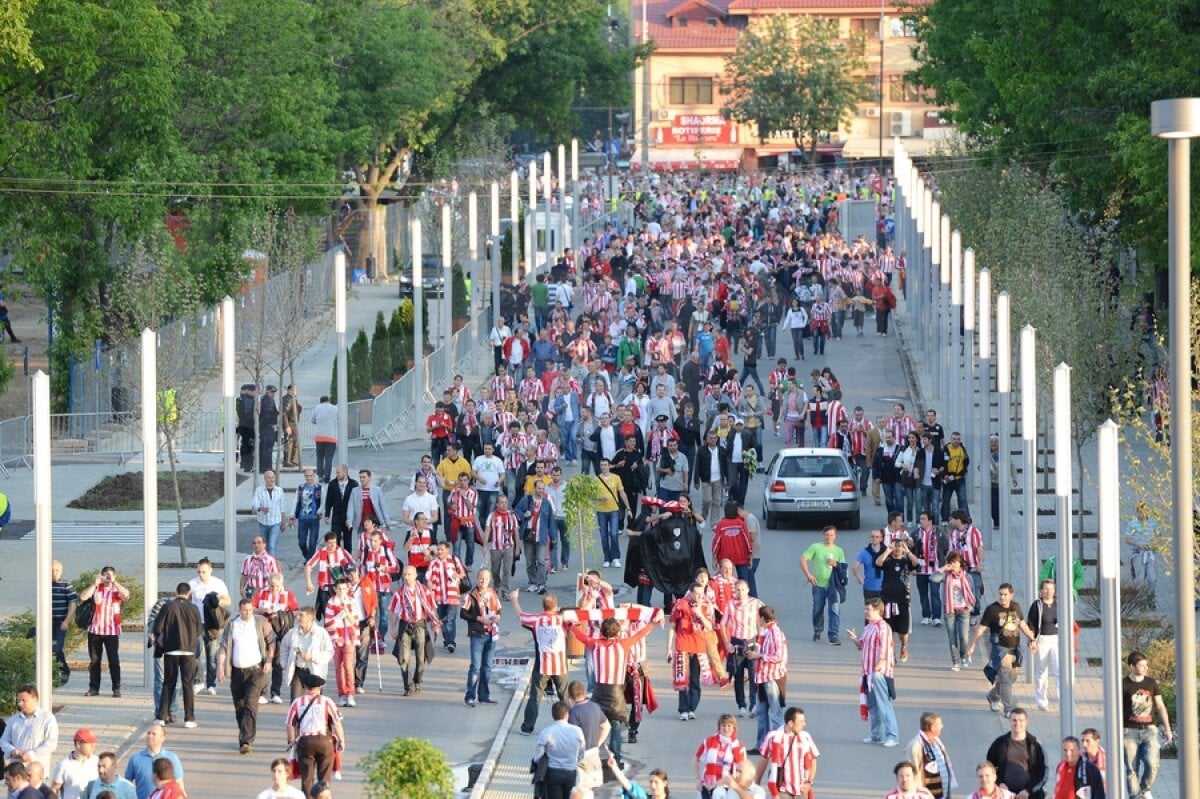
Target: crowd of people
637,362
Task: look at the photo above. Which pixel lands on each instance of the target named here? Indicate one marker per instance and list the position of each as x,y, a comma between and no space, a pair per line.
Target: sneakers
116,693
450,648
869,740
608,564
994,705
903,654
469,702
212,691
487,701
197,687
890,742
816,636
691,715
965,662
955,667
337,775
924,622
191,725
343,702
1043,705
262,700
683,717
244,749
350,701
741,712
90,692
616,563
937,622
277,700
835,641
361,690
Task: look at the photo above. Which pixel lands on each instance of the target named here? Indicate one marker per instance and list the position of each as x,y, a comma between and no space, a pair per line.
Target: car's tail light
778,487
848,486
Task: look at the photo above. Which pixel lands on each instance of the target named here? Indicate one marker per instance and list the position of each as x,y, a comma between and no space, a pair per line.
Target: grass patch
124,491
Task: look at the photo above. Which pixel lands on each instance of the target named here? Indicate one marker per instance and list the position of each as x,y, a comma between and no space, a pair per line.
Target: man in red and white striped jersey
500,542
443,577
331,562
501,386
314,728
770,673
104,633
411,608
378,565
900,423
878,668
967,541
789,758
460,506
550,639
739,623
257,568
278,606
531,390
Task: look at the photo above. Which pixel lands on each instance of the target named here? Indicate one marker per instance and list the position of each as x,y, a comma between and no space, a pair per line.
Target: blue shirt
872,574
563,743
122,789
140,770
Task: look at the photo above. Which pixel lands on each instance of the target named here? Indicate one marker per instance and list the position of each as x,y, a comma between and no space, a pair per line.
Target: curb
493,756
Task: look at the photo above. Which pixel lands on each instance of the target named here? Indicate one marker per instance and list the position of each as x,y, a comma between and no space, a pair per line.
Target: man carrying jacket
176,633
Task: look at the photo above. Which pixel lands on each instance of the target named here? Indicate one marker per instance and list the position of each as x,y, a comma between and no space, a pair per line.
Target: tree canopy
793,75
115,114
1066,88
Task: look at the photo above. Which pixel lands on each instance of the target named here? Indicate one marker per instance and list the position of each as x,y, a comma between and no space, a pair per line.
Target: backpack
84,611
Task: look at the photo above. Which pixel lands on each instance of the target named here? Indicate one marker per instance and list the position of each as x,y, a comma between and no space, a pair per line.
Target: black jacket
177,626
883,468
703,466
337,503
997,755
268,413
688,431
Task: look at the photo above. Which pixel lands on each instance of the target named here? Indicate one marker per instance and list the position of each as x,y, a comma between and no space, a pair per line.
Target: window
872,87
691,91
681,22
869,27
902,90
905,27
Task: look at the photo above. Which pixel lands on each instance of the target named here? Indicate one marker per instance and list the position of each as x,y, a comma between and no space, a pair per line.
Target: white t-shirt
755,791
200,590
420,503
287,793
488,472
75,774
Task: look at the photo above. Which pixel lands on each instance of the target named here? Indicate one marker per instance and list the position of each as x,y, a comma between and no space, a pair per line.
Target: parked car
433,277
810,483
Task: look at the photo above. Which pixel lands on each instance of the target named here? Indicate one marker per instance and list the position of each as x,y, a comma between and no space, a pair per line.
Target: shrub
16,663
358,376
407,768
381,352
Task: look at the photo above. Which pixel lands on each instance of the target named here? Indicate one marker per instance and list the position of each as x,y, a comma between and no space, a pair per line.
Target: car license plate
814,503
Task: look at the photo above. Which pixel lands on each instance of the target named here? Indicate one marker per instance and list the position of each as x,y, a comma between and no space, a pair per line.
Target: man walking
324,422
770,658
177,630
1003,620
32,732
314,729
1019,759
411,608
550,640
927,752
820,562
1140,702
201,586
63,601
878,669
244,652
789,758
268,504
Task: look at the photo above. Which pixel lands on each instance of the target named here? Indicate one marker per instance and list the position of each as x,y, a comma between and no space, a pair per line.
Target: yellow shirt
451,470
605,502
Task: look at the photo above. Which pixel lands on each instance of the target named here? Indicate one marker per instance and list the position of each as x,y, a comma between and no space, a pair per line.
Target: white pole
42,479
515,231
531,251
1063,483
418,314
1029,442
1108,463
495,265
473,251
984,430
943,316
547,196
229,397
576,236
1004,430
150,414
957,415
974,434
339,325
561,244
447,293
937,338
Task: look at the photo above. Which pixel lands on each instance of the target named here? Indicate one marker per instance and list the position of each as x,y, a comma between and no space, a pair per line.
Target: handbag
620,502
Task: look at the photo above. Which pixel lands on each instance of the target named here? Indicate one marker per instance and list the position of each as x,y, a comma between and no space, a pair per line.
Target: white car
811,483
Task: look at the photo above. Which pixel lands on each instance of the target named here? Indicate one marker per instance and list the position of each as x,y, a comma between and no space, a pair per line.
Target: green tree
359,368
1068,90
407,768
792,74
381,352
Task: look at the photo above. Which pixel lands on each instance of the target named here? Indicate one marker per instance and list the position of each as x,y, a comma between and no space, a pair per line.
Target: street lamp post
150,415
418,316
43,554
1029,450
1108,491
1005,426
1063,484
576,236
447,331
985,398
974,431
494,213
514,233
228,398
1178,121
956,413
343,374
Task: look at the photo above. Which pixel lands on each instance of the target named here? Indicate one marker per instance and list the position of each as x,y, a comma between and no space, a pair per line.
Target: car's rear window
813,466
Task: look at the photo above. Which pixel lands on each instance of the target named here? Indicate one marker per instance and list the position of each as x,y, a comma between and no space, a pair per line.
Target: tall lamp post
1005,425
150,415
228,399
1029,449
1108,464
1063,483
1178,121
984,429
343,373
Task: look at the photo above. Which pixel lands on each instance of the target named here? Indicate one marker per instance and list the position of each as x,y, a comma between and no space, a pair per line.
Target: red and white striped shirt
379,566
835,412
276,603
658,439
958,594
513,445
547,452
420,541
610,656
315,721
878,649
969,544
790,759
443,577
462,504
325,562
772,654
501,529
858,435
740,618
364,541
901,427
723,591
106,619
531,391
719,756
257,569
341,621
551,641
412,603
501,385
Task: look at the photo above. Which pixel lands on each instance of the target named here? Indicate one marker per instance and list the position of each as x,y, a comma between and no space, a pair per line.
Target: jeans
537,691
957,628
977,587
880,711
822,597
1006,676
912,504
99,645
170,670
308,533
751,373
271,533
819,341
481,668
798,342
929,503
837,323
206,654
931,597
741,670
957,489
60,656
564,544
448,616
535,562
325,452
820,436
559,783
863,472
893,497
770,709
610,533
995,497
590,462
246,685
769,334
485,506
614,738
567,441
1141,759
689,699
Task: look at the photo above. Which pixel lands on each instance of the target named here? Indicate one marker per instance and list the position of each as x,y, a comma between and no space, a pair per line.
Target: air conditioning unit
901,123
871,112
664,114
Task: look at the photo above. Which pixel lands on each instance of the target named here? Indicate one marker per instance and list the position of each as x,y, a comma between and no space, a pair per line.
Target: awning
868,147
662,160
